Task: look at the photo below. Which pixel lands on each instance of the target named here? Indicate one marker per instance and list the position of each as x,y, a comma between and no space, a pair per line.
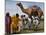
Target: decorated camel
30,10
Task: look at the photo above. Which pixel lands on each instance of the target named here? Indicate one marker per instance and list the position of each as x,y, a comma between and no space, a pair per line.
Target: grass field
39,30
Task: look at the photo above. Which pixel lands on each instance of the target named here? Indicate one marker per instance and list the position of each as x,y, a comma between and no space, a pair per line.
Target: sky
12,8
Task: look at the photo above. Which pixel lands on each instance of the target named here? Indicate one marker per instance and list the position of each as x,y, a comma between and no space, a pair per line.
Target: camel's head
19,4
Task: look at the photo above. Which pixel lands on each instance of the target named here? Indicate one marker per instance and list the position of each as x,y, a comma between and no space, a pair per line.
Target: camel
30,10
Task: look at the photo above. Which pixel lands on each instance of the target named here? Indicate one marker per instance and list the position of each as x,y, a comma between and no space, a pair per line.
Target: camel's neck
22,8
